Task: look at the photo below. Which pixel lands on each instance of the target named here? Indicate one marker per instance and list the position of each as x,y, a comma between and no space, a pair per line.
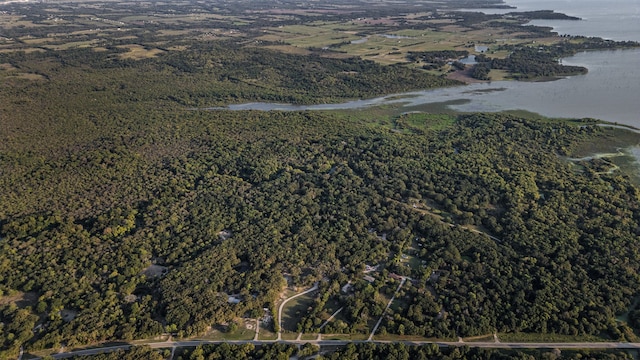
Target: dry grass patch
270,37
418,15
129,37
547,41
7,67
139,52
78,32
178,48
173,32
29,76
497,75
500,54
56,21
336,55
441,21
386,59
10,21
35,41
71,45
20,298
154,271
26,50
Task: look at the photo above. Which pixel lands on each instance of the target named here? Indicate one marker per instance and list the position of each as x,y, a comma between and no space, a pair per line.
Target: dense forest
211,352
133,207
402,351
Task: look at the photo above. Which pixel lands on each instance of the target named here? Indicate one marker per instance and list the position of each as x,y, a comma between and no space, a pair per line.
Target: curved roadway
313,288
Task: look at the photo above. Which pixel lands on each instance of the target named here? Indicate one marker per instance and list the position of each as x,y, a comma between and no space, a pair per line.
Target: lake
608,19
609,91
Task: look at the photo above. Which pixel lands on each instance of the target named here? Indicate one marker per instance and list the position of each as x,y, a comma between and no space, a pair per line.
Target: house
347,288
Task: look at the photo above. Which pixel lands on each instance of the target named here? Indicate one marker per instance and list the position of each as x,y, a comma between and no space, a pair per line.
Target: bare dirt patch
178,48
7,67
464,76
26,50
154,271
68,315
21,299
225,234
29,76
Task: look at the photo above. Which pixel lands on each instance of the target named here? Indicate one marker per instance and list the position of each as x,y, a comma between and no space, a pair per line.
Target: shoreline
465,76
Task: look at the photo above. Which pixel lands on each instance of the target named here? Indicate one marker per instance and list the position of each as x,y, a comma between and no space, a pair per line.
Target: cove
610,91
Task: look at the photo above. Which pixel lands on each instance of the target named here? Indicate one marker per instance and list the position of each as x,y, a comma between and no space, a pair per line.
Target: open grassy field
289,336
7,67
138,52
309,337
422,121
345,337
27,76
522,337
393,337
21,298
8,21
480,338
245,331
71,45
294,310
267,335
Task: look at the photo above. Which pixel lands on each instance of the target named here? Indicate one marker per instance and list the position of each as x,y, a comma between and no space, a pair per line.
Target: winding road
312,289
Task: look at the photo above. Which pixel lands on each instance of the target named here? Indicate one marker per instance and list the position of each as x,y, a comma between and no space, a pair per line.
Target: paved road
331,318
255,337
313,288
375,328
493,345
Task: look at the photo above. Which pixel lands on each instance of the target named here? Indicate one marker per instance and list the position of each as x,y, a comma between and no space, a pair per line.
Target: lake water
609,91
609,19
